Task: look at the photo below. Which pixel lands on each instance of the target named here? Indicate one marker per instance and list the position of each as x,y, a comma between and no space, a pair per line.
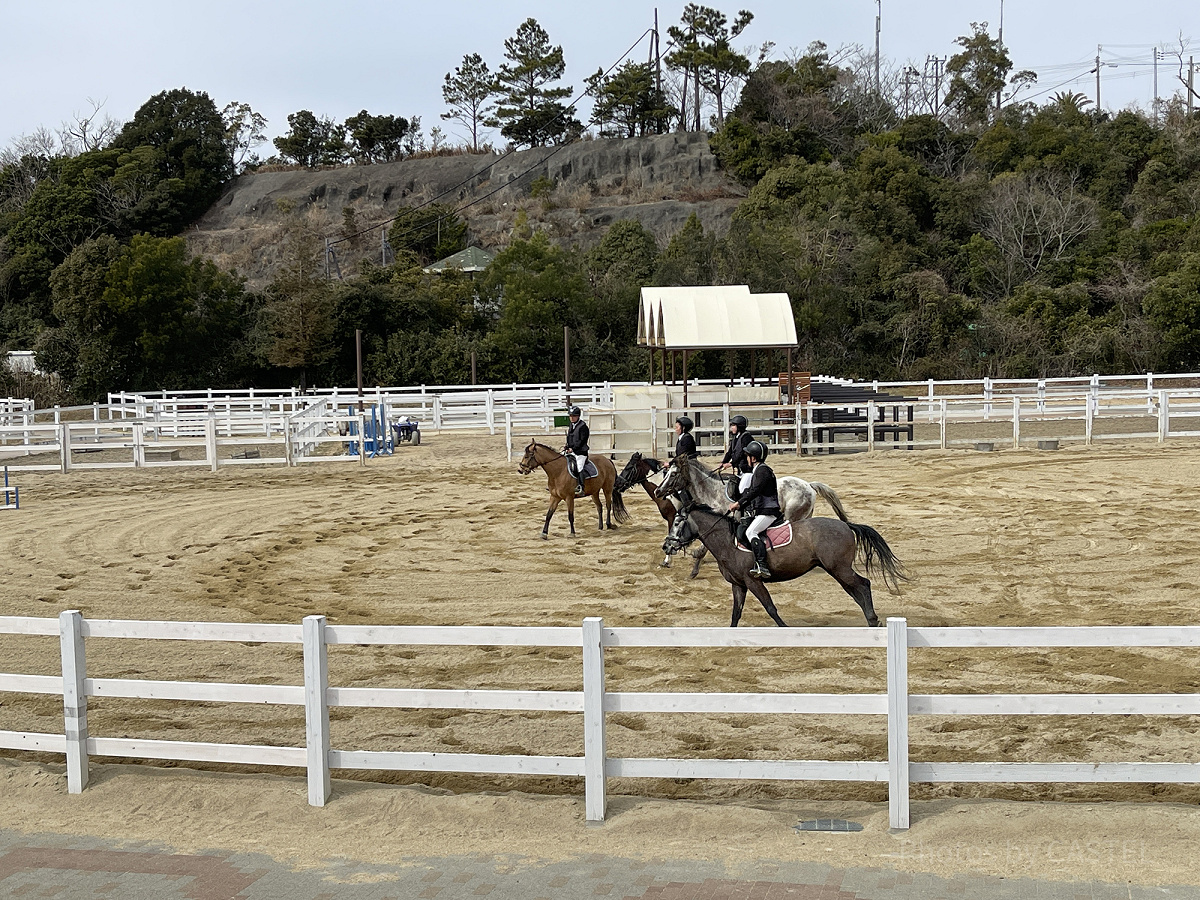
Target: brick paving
35,866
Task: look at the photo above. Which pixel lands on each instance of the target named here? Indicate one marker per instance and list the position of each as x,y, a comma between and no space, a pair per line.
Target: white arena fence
594,702
214,429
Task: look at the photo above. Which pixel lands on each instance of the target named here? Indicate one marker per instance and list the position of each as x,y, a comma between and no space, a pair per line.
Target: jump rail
594,702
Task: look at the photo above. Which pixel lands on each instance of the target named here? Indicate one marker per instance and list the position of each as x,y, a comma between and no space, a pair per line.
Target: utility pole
1097,78
878,19
1191,90
1000,41
910,81
935,63
1155,85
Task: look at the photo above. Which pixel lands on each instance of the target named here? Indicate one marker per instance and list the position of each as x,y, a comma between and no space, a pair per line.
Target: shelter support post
685,381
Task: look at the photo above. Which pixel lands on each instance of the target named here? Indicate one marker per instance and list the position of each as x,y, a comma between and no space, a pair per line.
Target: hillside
660,180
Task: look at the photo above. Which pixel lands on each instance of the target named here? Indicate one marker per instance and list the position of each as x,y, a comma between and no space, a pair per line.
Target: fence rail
594,702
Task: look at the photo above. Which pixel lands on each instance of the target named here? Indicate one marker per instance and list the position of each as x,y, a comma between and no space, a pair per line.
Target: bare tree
1034,218
89,131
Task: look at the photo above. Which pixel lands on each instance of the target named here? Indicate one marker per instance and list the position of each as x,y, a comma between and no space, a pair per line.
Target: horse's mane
704,470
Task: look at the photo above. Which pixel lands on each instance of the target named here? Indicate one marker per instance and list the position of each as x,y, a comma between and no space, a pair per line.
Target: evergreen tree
628,103
529,111
468,93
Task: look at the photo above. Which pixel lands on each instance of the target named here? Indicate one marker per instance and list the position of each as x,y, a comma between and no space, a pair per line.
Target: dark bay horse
562,485
637,472
826,543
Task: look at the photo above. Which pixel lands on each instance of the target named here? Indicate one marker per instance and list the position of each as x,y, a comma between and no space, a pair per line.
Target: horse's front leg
739,603
696,557
571,513
549,515
764,597
599,509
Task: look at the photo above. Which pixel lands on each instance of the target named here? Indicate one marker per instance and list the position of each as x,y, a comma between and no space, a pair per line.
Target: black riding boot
760,570
579,488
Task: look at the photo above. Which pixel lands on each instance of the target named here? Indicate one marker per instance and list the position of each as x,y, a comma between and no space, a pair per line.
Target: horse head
530,460
681,533
676,478
630,475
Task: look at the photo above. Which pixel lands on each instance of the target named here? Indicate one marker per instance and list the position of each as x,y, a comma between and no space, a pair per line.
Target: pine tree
529,111
468,93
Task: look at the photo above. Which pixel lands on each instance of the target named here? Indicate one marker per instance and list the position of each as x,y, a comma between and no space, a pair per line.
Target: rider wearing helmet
577,447
736,454
686,445
760,504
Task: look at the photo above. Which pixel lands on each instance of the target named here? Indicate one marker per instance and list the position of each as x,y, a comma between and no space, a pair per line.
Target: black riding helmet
574,411
757,449
740,422
687,423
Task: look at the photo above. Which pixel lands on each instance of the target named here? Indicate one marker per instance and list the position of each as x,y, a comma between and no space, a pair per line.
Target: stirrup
761,571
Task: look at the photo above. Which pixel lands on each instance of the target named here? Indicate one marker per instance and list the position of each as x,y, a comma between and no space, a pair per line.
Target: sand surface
447,533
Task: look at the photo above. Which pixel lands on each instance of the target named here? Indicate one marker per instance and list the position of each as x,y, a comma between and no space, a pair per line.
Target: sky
336,59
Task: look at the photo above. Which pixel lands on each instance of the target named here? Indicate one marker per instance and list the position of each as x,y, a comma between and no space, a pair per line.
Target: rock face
659,180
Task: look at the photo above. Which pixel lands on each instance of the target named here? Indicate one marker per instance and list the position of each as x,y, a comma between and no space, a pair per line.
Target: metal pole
685,384
878,18
567,361
358,352
473,381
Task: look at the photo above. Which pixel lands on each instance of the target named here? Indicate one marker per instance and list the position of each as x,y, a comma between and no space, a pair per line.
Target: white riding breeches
758,526
580,461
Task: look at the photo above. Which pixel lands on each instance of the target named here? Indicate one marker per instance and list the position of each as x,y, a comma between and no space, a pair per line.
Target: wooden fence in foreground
594,702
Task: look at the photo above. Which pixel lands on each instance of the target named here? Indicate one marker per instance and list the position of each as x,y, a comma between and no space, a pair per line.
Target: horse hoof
545,537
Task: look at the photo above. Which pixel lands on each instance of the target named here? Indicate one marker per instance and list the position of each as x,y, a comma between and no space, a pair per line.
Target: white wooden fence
594,702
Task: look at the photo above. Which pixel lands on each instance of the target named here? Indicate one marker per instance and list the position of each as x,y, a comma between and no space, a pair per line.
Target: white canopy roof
725,317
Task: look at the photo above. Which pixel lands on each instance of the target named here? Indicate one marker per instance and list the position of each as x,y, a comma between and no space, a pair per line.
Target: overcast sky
390,58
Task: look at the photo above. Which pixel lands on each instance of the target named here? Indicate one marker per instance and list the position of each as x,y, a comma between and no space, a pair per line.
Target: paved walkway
45,866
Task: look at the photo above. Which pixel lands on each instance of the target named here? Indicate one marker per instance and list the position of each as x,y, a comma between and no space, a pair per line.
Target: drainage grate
828,825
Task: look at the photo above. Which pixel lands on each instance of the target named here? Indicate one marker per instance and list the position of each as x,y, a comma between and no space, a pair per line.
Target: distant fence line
594,702
290,428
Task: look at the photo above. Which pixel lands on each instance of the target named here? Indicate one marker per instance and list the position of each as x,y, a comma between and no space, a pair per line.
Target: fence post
987,398
1089,414
508,433
654,432
316,709
1041,389
942,423
491,411
1164,416
1149,393
362,438
437,412
871,424
64,448
897,688
139,444
210,441
74,671
593,719
1016,422
799,435
725,426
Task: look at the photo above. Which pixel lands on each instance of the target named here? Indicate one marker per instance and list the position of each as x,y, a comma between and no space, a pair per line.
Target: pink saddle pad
779,536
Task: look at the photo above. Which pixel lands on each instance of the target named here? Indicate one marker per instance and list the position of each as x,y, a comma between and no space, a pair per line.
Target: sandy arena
447,533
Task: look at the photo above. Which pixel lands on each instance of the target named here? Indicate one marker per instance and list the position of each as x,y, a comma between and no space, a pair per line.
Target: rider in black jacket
686,444
577,447
736,454
760,504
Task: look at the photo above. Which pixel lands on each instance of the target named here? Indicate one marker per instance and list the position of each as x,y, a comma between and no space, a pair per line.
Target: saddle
776,536
589,470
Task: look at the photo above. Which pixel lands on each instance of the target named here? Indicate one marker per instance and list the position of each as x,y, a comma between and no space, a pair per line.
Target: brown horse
562,485
638,471
826,543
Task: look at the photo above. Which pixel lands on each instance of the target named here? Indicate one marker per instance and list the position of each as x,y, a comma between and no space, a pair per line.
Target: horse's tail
618,508
877,555
826,493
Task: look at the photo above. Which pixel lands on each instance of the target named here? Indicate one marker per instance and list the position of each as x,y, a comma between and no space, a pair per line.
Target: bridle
538,464
685,511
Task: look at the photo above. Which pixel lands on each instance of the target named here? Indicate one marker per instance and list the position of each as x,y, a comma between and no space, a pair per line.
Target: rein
721,517
557,455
